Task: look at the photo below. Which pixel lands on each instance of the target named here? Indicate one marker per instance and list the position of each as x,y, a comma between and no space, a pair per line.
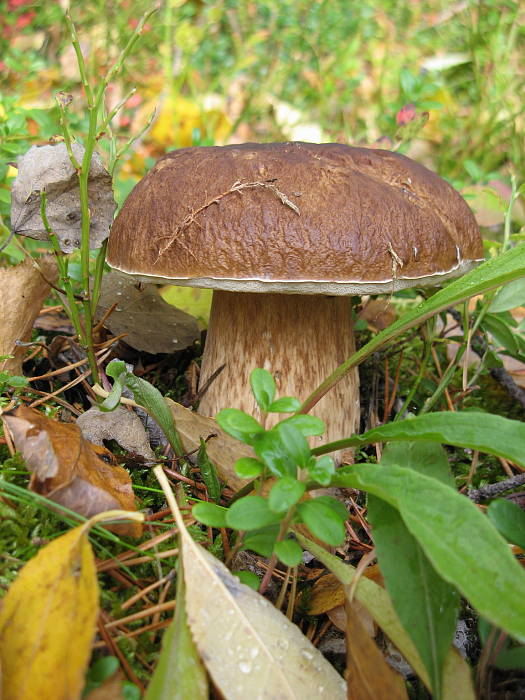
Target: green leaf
250,513
511,658
17,382
286,404
501,333
248,578
248,467
426,604
263,387
152,400
208,473
289,552
322,521
261,541
478,431
238,424
294,443
285,493
460,542
493,273
322,470
308,425
210,514
269,447
509,519
509,297
179,673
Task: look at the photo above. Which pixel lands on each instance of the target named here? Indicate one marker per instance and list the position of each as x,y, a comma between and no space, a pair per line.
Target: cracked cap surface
294,218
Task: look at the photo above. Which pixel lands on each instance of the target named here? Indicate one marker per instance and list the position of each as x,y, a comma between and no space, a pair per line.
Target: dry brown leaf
110,689
22,293
369,677
47,621
248,646
378,313
328,592
49,168
337,617
121,425
222,449
69,469
150,323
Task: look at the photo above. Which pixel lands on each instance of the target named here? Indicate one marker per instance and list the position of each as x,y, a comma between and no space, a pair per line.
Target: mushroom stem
299,339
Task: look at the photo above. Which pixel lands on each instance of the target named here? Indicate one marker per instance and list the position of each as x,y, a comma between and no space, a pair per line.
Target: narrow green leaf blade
208,473
460,542
426,604
179,673
493,273
485,432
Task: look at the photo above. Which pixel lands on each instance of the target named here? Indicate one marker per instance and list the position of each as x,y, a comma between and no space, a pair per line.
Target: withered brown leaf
69,469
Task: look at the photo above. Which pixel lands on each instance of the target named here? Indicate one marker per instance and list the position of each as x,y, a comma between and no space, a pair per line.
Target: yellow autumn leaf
47,620
179,117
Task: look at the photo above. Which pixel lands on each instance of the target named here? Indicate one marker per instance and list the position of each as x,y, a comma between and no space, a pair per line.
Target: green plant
283,467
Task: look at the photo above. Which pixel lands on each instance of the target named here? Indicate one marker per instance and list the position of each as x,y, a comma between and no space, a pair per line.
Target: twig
493,490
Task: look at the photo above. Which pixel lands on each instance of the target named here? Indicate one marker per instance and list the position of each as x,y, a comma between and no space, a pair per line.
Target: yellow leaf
179,117
193,300
47,622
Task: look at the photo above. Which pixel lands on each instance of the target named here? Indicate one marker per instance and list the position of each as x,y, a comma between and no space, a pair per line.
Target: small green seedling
283,455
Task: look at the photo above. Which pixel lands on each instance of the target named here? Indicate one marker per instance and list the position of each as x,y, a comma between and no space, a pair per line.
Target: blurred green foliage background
440,81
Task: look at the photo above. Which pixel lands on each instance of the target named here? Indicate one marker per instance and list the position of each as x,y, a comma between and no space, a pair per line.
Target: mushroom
284,233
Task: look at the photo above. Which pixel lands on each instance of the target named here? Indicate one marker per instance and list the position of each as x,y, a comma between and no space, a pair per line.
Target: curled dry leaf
47,621
150,323
121,425
222,449
70,470
49,168
22,293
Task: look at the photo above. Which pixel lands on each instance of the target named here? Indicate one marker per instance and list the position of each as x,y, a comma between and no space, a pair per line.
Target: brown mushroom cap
294,218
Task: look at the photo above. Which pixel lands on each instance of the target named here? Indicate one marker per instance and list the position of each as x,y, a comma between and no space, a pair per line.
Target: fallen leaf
179,674
337,617
121,425
378,313
150,323
222,449
49,168
193,300
69,469
369,677
248,646
22,291
47,621
328,592
110,689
